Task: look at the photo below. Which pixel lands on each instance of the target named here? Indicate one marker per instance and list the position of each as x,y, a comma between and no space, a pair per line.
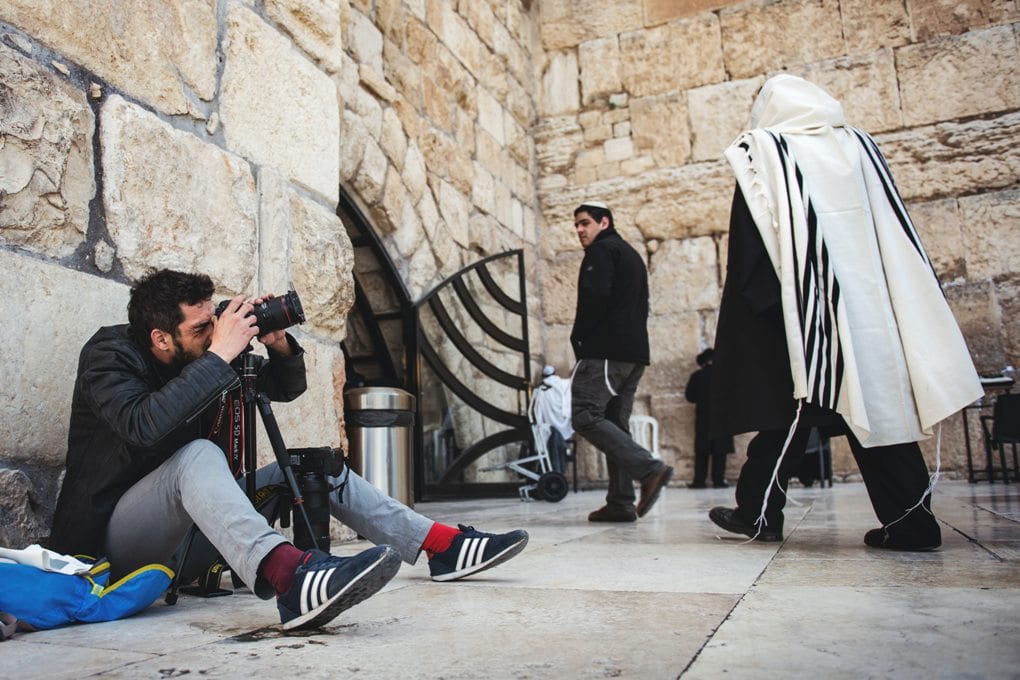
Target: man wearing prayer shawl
831,316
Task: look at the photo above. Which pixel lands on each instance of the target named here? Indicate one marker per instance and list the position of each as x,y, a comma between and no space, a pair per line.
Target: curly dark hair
156,301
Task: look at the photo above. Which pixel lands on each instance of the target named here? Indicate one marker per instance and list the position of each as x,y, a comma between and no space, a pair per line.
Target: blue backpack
46,599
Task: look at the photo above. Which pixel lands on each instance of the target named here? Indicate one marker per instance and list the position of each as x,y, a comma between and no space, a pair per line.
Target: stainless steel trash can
380,422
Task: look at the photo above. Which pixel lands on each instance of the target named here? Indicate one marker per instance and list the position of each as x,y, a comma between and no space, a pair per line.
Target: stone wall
640,97
215,135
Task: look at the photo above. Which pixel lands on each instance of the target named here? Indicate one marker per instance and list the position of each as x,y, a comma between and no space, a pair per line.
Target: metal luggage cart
546,483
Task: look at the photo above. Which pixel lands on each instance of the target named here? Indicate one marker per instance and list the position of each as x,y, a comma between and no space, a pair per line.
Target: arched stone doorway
462,350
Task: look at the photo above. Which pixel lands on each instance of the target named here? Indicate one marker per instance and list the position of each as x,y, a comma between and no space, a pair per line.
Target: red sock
279,565
439,539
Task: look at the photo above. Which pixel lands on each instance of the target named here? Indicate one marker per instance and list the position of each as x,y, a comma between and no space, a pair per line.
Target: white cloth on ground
551,405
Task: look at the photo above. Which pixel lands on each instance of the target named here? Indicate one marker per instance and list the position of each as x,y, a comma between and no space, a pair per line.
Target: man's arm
594,290
115,385
282,378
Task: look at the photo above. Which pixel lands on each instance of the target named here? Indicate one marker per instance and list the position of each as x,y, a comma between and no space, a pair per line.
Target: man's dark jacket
129,414
612,302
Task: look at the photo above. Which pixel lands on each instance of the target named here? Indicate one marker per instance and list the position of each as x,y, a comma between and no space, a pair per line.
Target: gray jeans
601,399
195,486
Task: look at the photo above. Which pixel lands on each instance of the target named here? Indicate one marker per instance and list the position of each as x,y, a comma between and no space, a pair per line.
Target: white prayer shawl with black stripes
869,332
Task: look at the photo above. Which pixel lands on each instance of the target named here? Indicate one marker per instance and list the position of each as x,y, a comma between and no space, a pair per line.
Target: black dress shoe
608,514
878,538
721,485
695,485
728,519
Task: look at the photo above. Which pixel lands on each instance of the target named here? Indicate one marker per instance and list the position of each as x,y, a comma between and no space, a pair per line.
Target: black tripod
242,450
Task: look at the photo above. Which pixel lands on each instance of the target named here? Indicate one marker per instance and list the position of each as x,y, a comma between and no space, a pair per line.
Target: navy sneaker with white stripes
325,585
474,551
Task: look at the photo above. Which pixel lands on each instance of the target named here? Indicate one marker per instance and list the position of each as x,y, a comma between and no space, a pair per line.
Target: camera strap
227,430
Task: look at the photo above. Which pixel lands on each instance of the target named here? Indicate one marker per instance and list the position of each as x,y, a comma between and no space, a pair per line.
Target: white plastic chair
645,431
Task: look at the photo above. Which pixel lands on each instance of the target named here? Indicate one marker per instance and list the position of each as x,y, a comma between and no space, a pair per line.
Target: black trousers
895,477
701,463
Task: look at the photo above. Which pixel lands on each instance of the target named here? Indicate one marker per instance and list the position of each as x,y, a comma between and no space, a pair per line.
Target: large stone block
559,288
490,116
314,25
647,62
660,128
969,75
976,308
277,108
991,231
684,276
560,93
322,266
26,506
276,227
932,18
40,356
46,173
659,11
674,342
371,175
599,61
455,209
566,23
353,134
940,226
763,36
865,84
718,114
314,418
365,41
393,139
705,192
870,25
557,140
555,348
161,52
1007,292
646,206
951,159
157,215
675,416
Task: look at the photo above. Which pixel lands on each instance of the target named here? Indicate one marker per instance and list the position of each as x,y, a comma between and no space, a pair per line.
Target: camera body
311,468
274,314
321,460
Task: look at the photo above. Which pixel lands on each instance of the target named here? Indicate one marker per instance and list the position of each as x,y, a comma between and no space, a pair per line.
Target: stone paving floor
662,598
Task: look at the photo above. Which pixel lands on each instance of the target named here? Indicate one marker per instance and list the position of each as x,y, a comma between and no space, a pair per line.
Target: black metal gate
474,378
462,351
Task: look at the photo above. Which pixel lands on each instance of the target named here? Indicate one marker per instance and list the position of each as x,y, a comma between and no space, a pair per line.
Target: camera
274,314
311,468
322,460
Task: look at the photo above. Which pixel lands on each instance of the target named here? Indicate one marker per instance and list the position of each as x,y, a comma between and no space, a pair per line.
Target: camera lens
274,314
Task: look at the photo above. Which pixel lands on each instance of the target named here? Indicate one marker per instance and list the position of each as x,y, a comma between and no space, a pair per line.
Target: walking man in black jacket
610,340
142,467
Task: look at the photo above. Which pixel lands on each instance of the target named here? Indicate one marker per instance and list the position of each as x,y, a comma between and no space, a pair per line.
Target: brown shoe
608,514
650,490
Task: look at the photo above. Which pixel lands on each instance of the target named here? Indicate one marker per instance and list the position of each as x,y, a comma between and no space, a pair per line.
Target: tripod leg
171,593
283,460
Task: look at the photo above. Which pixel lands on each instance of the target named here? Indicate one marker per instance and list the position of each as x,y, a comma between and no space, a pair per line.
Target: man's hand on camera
233,329
275,340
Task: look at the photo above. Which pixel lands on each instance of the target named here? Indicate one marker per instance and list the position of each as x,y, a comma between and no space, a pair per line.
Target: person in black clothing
610,341
151,399
832,318
705,447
